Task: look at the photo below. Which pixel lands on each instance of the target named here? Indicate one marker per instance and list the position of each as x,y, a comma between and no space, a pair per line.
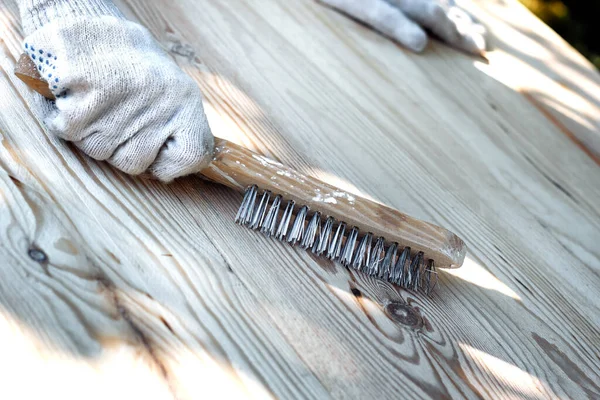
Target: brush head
326,237
240,168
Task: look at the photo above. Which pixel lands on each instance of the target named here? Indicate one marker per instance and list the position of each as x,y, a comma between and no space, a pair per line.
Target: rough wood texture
140,290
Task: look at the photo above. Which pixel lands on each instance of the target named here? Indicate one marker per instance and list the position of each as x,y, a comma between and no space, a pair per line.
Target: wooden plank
155,282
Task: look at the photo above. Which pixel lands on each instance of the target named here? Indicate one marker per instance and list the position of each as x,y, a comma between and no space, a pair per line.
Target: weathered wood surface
113,286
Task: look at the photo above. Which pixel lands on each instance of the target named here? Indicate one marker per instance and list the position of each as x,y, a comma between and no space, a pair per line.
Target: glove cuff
37,13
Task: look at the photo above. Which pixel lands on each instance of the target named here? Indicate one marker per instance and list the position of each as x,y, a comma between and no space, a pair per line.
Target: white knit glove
120,97
406,20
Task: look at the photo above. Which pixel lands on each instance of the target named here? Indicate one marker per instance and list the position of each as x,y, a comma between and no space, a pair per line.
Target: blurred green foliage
575,20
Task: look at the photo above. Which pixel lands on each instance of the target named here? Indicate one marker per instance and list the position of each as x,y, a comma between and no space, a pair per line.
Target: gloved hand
406,20
120,97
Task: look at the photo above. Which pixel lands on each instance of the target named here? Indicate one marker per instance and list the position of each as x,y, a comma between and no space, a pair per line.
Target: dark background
577,21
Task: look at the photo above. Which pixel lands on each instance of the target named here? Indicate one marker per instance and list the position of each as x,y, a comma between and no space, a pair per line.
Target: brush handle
238,168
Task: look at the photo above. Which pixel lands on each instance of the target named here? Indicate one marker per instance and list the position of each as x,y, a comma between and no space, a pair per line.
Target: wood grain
150,291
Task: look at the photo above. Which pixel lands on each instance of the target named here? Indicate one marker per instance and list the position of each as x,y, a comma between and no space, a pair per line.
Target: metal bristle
246,208
335,248
270,222
363,252
250,206
285,221
412,277
259,215
311,232
322,243
330,238
397,275
418,272
388,262
376,257
298,227
430,276
348,252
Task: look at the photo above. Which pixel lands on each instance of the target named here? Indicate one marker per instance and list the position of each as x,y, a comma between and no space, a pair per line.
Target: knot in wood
404,314
37,255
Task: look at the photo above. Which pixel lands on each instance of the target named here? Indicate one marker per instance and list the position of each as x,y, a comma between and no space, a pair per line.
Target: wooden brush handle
238,168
